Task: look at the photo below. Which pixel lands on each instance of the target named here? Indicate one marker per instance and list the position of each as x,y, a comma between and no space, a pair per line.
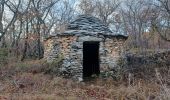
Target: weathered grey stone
70,45
89,23
77,45
89,38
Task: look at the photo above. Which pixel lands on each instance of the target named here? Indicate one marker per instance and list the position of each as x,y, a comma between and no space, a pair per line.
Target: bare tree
87,6
38,11
105,10
162,23
35,19
136,16
2,3
65,15
14,9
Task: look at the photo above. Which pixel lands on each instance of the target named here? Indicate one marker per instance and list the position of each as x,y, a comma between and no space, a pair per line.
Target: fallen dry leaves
38,86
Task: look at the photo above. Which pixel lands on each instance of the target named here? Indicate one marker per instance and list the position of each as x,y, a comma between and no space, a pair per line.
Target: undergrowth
28,81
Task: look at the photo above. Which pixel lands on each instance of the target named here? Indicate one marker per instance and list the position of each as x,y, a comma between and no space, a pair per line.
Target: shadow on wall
145,65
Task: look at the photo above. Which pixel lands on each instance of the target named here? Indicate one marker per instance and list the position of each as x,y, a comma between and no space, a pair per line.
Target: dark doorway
90,59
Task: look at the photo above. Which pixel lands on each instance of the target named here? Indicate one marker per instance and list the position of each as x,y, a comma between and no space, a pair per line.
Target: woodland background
24,24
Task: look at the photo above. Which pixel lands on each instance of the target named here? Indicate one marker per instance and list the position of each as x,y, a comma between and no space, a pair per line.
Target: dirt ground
25,81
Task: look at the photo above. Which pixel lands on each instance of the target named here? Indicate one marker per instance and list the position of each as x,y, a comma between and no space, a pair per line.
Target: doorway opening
90,59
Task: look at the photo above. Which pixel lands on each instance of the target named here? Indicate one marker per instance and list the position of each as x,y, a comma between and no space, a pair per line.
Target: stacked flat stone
70,45
88,23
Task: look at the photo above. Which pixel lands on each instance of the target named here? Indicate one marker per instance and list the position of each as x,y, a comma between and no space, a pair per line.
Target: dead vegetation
27,81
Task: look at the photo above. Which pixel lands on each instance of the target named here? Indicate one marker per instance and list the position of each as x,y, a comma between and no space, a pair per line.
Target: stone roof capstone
88,23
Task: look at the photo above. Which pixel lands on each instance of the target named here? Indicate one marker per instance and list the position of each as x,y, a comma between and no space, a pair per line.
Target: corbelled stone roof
88,23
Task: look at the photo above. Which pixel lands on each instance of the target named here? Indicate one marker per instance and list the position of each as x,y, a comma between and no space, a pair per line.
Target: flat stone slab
89,38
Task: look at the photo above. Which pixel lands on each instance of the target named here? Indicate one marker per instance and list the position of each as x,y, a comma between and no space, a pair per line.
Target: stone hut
87,47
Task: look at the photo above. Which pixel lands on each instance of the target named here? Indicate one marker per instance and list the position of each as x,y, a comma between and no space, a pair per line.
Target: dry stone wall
110,51
69,44
71,47
58,45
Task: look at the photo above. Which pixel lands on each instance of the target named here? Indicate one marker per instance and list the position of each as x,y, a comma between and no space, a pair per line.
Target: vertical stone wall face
48,49
71,47
58,45
110,52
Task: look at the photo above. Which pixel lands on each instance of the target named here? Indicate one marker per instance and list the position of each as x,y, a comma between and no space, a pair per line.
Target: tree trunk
38,38
26,43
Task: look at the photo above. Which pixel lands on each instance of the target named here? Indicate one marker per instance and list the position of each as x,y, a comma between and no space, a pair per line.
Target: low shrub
3,56
118,72
54,66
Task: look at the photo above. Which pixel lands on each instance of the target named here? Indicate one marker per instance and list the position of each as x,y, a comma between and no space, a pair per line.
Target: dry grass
26,81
